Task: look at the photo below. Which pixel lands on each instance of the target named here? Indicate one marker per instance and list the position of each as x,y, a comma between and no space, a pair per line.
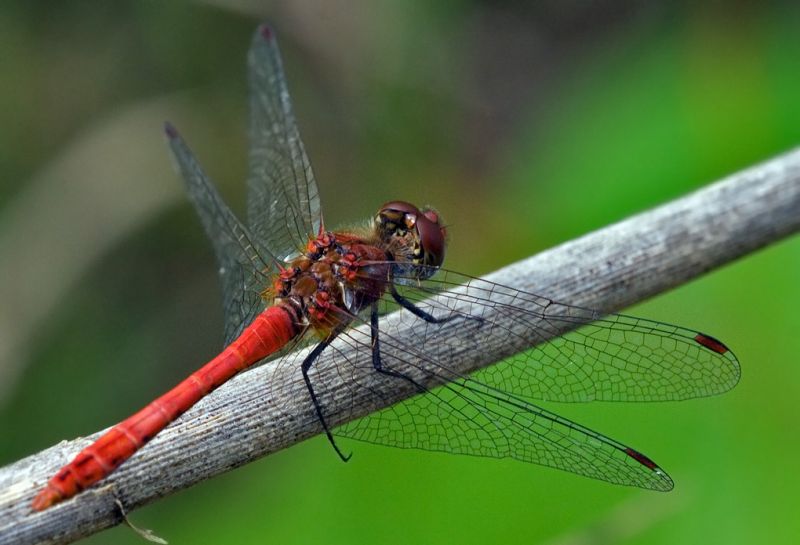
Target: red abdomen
268,333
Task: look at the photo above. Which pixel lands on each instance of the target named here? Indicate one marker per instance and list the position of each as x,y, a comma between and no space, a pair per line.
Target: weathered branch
609,269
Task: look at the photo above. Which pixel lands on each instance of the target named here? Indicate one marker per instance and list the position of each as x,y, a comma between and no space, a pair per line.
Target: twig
609,269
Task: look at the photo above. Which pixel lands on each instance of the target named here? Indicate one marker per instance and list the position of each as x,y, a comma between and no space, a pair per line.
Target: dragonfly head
412,235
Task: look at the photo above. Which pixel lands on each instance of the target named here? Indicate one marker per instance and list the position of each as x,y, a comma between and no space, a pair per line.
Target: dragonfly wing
283,200
467,416
243,270
491,413
595,357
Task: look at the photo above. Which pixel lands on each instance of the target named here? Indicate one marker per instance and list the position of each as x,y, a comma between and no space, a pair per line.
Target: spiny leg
419,313
307,363
377,364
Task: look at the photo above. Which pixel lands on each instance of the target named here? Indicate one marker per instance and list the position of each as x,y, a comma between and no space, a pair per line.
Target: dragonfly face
412,236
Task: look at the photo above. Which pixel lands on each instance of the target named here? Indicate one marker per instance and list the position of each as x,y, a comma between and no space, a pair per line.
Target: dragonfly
287,280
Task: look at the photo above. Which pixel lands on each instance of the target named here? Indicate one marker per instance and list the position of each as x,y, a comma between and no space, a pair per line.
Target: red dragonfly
285,277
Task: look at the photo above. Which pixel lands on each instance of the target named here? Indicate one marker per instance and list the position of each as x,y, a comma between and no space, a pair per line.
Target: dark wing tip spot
170,131
266,32
662,483
711,343
642,459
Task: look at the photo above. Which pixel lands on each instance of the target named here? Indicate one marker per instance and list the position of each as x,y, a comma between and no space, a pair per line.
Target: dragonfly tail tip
170,130
266,32
46,498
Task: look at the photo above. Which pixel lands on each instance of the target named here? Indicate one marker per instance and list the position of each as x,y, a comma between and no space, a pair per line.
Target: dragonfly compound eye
432,237
426,247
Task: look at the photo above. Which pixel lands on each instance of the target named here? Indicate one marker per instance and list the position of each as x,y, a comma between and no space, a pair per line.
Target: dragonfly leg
377,364
419,313
306,365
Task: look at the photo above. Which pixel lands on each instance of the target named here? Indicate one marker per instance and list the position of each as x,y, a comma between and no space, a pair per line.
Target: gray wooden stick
245,419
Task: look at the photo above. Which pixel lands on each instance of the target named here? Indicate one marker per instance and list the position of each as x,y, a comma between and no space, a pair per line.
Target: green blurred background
525,126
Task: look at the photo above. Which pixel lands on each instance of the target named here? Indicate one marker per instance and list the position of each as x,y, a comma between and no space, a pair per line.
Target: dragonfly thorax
328,284
342,273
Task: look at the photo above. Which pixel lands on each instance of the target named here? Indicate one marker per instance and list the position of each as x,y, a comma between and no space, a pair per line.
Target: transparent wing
468,416
243,270
610,357
283,201
490,413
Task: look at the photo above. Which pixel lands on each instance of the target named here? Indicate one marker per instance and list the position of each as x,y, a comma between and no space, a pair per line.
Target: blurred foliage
525,126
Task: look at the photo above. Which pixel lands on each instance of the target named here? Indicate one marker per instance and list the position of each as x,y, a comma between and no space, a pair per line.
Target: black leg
376,353
419,313
414,309
307,363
